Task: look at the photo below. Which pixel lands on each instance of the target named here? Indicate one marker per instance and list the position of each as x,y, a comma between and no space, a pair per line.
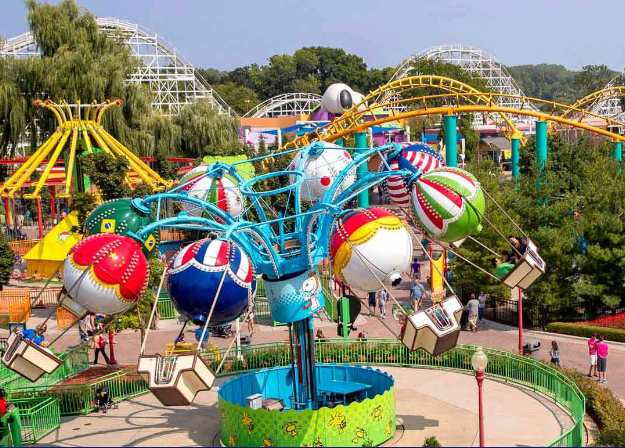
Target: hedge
610,334
604,407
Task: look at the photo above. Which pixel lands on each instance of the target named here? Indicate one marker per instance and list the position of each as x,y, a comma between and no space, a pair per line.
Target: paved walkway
428,403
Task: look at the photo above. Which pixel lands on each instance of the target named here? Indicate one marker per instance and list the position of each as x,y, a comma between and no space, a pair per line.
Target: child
555,354
3,402
602,359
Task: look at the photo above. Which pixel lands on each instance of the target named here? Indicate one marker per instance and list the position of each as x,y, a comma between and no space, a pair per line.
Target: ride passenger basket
527,270
175,380
28,359
435,329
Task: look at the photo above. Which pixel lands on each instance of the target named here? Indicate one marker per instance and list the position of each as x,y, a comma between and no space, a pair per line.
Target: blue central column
451,140
541,144
362,169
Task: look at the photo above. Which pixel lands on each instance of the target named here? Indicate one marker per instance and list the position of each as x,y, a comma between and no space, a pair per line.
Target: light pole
479,361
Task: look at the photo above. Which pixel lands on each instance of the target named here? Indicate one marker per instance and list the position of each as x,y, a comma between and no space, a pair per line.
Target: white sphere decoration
337,98
321,168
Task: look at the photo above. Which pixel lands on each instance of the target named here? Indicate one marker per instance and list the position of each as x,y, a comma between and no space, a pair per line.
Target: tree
7,261
108,174
593,78
83,204
240,98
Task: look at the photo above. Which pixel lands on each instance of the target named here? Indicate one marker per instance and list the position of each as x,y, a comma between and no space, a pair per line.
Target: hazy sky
227,33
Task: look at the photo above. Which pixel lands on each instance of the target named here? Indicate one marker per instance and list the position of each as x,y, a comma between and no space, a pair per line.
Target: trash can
531,347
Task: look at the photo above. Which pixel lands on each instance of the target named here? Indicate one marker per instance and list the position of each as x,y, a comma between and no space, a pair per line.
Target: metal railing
528,372
21,247
39,416
167,309
74,361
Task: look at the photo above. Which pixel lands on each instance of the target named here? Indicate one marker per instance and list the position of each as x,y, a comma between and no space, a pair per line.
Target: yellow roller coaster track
353,119
450,85
74,126
607,93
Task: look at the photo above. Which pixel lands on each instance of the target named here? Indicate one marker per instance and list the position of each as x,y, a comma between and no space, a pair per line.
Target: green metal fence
80,398
39,416
11,428
507,366
166,309
74,361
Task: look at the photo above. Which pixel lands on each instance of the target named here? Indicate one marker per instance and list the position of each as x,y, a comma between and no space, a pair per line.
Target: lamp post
112,361
479,361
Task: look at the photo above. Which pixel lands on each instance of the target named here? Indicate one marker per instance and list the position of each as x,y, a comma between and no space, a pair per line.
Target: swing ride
280,226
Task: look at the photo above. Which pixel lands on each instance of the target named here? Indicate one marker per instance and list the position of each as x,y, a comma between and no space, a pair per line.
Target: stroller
103,399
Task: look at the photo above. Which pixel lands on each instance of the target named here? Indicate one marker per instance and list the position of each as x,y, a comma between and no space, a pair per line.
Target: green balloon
120,216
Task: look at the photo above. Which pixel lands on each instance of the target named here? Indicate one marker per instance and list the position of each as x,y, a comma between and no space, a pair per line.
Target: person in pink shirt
602,359
592,351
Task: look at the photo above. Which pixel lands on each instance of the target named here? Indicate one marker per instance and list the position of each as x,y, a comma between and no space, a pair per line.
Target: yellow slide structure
49,253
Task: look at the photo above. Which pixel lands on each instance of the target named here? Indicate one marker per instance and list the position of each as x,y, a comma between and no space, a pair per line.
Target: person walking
250,317
372,303
482,301
415,269
417,291
592,352
554,353
100,345
473,306
602,359
382,297
82,329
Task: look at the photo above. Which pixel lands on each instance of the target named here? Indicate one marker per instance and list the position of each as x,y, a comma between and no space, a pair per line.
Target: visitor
250,317
473,306
382,297
417,291
592,352
482,298
36,335
4,404
602,359
320,336
362,336
198,336
372,303
507,257
519,244
501,268
554,353
179,339
415,269
103,399
99,346
82,329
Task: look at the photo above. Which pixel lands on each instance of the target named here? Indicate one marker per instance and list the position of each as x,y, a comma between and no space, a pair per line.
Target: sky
225,34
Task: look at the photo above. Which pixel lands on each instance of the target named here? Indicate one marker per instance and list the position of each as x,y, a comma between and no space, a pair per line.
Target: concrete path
429,403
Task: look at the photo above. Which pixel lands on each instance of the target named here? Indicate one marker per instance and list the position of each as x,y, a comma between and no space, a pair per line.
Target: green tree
7,261
83,204
108,174
593,78
240,98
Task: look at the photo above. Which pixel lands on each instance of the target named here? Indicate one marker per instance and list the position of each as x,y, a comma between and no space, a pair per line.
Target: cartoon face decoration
295,298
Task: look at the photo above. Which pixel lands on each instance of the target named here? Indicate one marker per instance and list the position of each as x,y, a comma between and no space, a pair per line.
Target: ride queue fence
524,371
39,416
537,315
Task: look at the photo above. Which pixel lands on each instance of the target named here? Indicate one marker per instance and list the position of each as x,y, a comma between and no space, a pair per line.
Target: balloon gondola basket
527,270
435,329
176,379
28,359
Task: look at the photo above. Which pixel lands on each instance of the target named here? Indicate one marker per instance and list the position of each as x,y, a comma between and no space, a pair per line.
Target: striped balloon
448,203
220,191
196,272
418,155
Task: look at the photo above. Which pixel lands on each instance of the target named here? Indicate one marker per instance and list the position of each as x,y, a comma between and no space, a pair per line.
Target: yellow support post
70,166
25,171
49,167
52,140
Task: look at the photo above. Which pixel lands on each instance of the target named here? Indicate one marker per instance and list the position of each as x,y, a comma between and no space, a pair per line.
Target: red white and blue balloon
418,155
321,171
220,191
210,270
448,204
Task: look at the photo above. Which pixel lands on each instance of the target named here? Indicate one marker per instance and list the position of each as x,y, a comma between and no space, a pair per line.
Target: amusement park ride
323,213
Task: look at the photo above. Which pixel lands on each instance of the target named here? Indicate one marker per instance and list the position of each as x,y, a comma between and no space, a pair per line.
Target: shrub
431,441
615,321
604,407
575,329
